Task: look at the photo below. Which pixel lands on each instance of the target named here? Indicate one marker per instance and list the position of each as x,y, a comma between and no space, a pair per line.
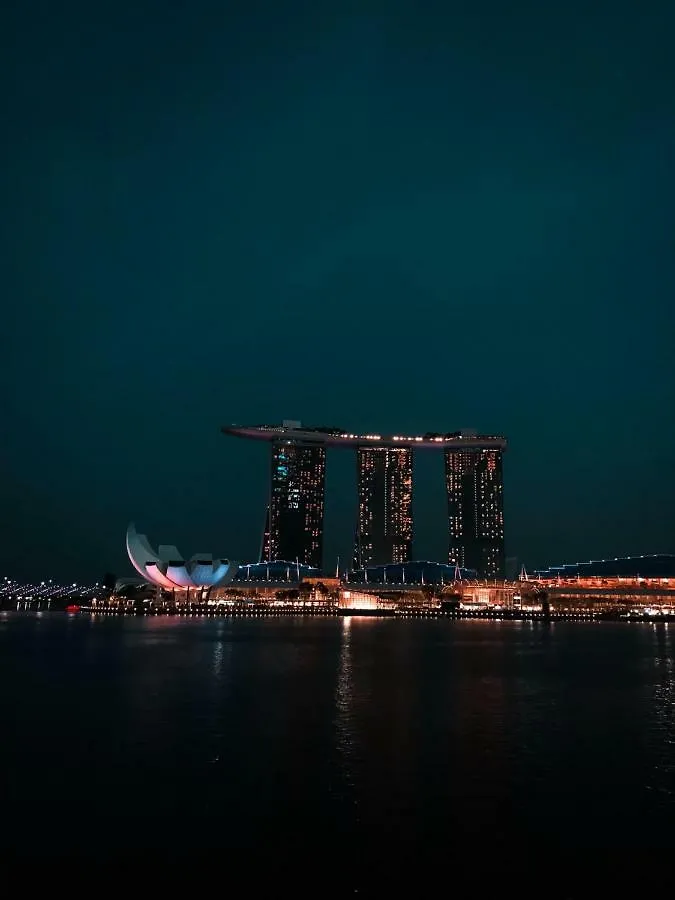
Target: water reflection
346,739
222,650
341,732
660,726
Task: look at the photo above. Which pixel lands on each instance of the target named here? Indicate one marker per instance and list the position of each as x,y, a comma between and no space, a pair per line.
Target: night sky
393,216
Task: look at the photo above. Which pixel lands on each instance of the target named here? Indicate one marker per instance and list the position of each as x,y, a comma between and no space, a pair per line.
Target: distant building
474,485
658,565
384,530
511,568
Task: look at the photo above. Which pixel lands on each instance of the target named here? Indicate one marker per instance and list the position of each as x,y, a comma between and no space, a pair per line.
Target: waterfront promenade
616,598
251,610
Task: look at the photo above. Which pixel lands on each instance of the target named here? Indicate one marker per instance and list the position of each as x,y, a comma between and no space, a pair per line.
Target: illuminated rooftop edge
335,437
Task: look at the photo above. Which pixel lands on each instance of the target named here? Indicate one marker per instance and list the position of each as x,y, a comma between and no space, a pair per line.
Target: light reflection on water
661,698
344,722
349,729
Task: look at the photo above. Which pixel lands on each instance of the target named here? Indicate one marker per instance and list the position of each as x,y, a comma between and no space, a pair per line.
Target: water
310,735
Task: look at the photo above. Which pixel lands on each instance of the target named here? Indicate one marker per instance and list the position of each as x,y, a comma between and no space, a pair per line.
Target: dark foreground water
302,735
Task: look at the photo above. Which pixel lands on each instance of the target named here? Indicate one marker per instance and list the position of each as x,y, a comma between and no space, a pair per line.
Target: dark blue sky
393,216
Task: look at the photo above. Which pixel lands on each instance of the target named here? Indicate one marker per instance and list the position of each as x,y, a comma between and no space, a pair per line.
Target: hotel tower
384,466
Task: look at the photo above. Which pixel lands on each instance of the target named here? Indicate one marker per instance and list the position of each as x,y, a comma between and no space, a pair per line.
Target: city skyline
392,217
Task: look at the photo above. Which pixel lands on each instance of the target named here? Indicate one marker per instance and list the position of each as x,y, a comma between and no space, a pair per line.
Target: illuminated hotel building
474,485
294,524
385,527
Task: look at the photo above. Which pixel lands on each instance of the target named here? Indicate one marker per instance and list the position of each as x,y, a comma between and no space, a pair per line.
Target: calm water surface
306,733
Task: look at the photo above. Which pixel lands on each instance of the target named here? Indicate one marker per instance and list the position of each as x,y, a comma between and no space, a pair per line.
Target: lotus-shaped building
167,568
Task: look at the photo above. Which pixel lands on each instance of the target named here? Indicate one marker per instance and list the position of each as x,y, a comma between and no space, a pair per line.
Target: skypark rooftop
337,437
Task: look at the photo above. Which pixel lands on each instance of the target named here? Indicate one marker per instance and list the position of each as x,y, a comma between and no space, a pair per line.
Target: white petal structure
166,567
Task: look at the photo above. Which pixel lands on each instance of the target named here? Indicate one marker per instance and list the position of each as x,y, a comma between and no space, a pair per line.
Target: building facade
294,522
475,492
384,529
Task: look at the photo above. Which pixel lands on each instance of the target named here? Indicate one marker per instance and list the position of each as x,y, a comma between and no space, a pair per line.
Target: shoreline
455,615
